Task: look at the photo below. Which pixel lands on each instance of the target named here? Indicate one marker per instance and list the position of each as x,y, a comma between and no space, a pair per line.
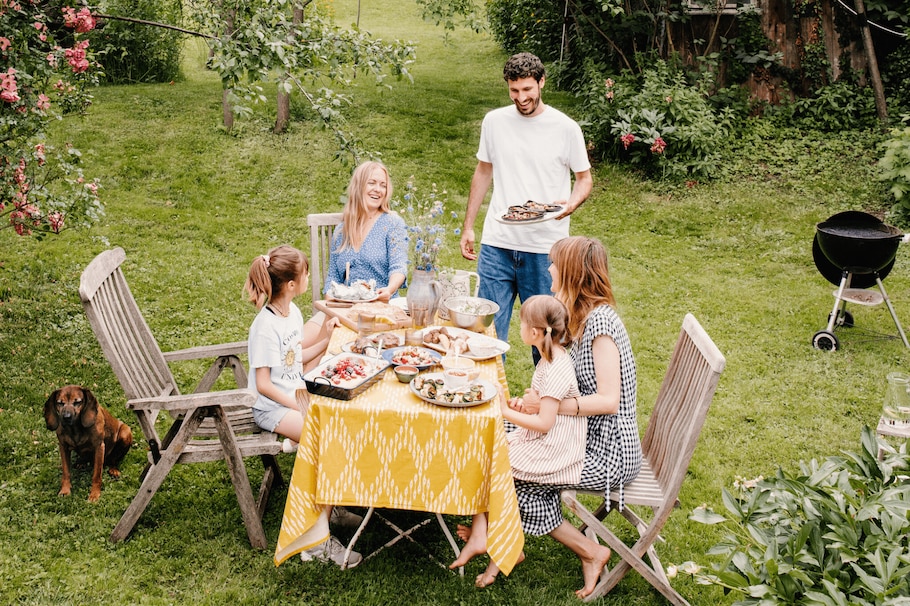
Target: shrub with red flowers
46,69
656,120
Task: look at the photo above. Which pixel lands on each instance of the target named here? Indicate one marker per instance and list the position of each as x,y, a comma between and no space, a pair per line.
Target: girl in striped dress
547,448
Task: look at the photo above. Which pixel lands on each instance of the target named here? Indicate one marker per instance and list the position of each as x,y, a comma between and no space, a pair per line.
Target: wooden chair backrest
122,332
682,405
322,226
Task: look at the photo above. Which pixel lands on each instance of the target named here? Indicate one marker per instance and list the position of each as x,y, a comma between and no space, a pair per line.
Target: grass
192,206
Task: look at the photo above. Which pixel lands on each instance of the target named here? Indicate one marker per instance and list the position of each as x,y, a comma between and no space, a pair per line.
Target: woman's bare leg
476,540
593,556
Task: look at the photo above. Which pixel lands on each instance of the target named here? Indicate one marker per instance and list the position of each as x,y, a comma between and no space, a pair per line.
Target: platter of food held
530,212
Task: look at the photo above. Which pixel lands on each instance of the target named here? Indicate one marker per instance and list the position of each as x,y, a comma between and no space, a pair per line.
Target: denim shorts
505,274
269,418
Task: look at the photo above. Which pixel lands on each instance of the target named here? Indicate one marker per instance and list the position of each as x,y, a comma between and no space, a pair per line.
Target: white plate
497,346
347,347
329,297
547,215
427,353
489,392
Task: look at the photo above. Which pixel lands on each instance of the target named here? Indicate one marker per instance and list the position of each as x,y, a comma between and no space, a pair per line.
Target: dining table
388,448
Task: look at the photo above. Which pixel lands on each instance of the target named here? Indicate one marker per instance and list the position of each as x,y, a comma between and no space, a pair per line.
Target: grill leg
900,330
838,301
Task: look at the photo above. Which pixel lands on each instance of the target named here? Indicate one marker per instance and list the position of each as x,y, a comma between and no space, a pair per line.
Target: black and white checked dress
613,447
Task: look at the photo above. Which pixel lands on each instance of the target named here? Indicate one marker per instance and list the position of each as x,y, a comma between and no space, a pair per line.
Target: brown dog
84,426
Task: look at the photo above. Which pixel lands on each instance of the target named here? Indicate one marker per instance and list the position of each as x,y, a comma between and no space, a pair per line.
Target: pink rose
4,43
658,146
44,103
627,140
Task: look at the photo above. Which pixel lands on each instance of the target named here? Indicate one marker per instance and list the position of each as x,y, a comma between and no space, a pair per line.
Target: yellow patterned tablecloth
388,448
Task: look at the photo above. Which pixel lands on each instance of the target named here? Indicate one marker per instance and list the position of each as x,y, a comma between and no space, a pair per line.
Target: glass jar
896,407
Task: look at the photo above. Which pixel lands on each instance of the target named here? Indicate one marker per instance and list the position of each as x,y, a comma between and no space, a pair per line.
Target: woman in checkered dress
605,369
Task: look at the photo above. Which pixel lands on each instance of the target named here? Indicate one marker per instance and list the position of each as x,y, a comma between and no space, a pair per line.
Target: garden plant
192,205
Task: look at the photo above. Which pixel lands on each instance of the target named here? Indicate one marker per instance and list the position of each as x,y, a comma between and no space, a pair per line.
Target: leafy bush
895,166
836,107
526,26
896,77
133,52
657,121
834,533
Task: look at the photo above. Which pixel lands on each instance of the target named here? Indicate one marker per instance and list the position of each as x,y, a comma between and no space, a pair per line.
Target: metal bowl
471,313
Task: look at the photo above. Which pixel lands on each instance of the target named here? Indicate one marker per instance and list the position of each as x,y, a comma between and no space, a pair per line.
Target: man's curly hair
523,65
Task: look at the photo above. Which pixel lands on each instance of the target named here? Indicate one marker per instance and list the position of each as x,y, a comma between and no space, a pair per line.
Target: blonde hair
583,277
270,273
549,315
354,217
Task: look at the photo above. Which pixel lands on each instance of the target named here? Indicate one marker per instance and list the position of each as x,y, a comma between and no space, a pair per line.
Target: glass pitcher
897,398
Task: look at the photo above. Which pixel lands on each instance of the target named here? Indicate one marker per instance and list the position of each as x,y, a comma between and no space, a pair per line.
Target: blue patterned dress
384,251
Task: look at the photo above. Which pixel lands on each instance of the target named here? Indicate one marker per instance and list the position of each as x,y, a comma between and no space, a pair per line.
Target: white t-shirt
275,342
533,159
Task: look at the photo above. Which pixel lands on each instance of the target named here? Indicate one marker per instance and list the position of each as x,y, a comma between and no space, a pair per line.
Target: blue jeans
505,274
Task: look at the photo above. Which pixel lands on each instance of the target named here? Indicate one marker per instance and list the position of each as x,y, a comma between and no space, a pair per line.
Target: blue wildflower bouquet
426,230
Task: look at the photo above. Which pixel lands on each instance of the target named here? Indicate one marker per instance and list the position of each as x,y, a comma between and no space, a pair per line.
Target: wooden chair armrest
207,351
232,398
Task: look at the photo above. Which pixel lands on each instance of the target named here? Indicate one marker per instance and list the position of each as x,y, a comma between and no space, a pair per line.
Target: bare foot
463,532
475,545
470,551
591,569
488,576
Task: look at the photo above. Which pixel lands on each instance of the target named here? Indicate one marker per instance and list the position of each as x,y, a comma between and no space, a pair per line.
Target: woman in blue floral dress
371,241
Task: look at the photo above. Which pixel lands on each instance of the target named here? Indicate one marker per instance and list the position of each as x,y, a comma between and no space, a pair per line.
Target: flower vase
423,297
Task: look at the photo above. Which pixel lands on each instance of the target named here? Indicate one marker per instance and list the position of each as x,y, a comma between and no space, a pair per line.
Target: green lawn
192,206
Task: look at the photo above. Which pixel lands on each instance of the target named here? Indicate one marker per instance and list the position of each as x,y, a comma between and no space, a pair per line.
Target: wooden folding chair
669,441
207,426
322,226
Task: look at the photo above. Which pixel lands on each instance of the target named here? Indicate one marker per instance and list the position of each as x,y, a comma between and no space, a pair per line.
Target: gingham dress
613,447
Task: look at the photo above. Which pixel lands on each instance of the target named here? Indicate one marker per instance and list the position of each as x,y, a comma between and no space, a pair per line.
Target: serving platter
370,299
409,354
359,292
488,389
539,212
331,379
484,347
390,340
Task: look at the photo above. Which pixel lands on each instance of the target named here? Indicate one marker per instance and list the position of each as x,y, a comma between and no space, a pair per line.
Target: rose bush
46,69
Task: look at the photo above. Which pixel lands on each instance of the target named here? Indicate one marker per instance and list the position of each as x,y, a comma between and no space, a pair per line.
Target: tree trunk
282,110
226,111
877,87
283,102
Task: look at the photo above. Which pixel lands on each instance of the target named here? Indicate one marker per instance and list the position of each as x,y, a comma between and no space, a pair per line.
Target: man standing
528,151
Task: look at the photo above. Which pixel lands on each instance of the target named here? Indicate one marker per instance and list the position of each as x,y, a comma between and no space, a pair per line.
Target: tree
46,69
293,45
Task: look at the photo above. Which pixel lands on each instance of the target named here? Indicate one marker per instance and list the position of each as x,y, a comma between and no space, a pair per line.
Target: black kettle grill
854,251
